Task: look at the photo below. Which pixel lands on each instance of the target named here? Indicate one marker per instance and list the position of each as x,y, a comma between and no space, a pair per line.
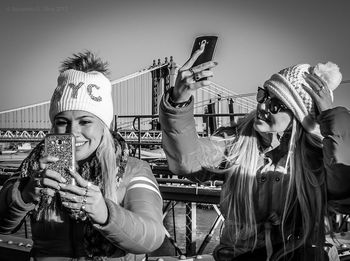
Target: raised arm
335,128
187,154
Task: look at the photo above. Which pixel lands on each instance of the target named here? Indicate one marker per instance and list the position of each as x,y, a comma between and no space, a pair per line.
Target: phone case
61,146
207,55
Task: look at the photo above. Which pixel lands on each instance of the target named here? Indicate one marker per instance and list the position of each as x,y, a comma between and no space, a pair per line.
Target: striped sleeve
144,183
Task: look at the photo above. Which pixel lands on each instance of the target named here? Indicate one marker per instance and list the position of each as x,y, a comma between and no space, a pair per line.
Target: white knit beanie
77,90
289,86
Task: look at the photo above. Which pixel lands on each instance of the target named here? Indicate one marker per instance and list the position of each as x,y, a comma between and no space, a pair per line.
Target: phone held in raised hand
209,43
61,146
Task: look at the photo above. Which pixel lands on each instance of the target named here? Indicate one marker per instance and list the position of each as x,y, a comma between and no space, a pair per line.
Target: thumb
80,181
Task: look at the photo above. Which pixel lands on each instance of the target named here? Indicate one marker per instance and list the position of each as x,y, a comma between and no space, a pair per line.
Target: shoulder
134,165
136,168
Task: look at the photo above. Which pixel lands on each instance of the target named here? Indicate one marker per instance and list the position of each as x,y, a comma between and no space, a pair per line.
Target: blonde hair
107,155
304,188
238,190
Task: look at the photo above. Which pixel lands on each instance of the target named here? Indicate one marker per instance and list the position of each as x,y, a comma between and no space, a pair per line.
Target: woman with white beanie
281,164
114,211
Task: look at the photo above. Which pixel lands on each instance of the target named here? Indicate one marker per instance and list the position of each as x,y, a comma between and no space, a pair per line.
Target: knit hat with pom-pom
289,86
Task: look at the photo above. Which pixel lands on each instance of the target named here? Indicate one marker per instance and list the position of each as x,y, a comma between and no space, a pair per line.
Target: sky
256,39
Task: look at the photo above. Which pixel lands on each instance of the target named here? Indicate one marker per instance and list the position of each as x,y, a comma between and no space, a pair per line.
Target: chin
80,156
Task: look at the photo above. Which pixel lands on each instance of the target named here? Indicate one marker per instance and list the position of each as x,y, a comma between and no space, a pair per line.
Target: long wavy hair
304,207
107,155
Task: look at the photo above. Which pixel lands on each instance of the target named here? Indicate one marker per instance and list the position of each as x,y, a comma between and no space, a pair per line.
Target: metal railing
149,137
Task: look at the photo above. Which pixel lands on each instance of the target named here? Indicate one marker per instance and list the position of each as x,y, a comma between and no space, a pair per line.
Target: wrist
178,103
101,219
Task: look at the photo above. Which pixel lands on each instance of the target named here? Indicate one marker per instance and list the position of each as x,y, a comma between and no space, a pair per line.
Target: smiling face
87,129
271,114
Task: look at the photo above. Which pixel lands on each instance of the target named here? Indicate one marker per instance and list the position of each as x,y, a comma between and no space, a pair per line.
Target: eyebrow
79,118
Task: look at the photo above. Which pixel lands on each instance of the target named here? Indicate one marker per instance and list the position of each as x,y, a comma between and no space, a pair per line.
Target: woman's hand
44,182
319,92
189,79
85,197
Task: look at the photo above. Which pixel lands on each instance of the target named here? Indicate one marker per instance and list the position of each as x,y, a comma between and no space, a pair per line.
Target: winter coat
195,158
134,226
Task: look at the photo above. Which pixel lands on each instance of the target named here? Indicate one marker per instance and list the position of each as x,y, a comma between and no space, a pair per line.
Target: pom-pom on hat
289,86
77,90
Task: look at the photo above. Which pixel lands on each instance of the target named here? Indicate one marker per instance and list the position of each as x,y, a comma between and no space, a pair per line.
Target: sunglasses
274,105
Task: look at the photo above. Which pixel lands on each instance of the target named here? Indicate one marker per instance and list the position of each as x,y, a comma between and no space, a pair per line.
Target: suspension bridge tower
162,79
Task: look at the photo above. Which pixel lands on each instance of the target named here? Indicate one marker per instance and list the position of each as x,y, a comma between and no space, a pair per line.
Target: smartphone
207,55
61,146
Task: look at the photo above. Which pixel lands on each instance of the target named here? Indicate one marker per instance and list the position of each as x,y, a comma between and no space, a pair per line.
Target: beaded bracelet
178,105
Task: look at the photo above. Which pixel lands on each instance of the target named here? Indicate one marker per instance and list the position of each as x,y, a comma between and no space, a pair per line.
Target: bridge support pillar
231,111
162,79
191,225
211,121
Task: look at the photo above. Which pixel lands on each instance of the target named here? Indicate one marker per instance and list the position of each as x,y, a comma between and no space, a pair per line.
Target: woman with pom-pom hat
281,164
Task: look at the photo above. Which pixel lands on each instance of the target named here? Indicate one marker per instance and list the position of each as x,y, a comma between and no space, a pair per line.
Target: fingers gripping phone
61,146
209,47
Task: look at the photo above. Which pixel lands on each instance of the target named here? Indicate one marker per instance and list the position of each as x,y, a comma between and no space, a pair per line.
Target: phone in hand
61,146
207,55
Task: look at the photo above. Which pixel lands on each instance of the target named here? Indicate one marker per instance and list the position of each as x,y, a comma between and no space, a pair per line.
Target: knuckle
189,80
182,75
50,192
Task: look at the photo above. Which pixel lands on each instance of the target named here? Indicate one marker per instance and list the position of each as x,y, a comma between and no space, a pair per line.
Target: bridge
135,95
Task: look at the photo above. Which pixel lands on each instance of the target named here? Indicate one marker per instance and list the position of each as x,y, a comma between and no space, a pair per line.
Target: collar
268,141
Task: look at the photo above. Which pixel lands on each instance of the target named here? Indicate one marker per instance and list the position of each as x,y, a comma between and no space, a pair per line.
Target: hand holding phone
191,76
61,146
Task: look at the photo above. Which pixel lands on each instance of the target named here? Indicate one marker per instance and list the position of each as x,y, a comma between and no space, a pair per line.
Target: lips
79,143
262,116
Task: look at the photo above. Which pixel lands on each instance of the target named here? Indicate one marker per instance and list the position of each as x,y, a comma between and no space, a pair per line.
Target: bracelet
178,105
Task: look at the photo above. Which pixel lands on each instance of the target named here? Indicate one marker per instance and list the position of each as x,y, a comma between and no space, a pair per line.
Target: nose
74,128
262,106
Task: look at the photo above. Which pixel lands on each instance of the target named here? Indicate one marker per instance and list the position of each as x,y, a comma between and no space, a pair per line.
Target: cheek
283,122
95,135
